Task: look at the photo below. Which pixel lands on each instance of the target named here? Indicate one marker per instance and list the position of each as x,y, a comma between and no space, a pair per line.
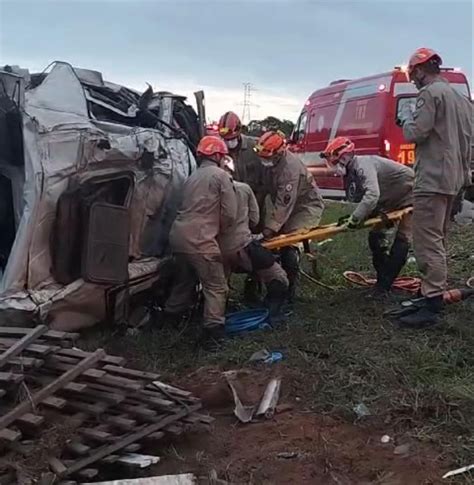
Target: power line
247,104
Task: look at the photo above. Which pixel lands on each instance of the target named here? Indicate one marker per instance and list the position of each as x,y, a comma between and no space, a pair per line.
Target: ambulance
365,110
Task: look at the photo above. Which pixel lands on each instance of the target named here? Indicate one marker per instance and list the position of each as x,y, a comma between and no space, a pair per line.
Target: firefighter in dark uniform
294,201
249,170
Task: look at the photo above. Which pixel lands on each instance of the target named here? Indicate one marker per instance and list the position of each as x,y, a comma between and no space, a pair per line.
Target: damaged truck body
90,179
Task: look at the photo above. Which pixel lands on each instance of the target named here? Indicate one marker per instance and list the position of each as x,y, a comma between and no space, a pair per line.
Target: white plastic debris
270,399
182,479
453,473
385,439
361,410
138,460
401,449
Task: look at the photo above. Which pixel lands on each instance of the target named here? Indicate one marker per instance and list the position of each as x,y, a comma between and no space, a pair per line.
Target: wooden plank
77,448
10,378
50,334
39,349
161,404
97,435
88,473
56,465
110,449
171,389
125,372
25,362
51,388
108,359
175,429
107,397
107,460
63,367
121,422
9,435
30,420
75,387
155,436
134,447
18,347
88,408
139,411
54,402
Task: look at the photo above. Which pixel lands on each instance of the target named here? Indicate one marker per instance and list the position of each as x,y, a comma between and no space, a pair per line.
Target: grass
420,383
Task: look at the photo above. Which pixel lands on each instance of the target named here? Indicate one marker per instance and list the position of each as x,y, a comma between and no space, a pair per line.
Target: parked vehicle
364,110
90,178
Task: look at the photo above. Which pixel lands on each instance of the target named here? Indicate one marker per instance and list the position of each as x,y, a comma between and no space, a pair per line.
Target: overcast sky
286,48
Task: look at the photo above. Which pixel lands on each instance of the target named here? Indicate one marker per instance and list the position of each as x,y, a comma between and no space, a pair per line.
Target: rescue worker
208,208
249,170
441,128
294,201
384,186
241,148
243,252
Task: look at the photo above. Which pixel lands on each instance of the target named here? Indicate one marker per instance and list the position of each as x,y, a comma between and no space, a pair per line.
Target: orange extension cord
404,283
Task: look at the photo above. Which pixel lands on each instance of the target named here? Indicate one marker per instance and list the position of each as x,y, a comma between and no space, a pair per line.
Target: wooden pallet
113,410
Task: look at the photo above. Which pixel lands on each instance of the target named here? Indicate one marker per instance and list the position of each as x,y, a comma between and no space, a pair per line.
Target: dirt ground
297,446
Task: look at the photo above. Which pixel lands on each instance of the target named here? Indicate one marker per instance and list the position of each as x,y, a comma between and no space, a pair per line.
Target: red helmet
209,146
422,55
229,126
269,144
336,148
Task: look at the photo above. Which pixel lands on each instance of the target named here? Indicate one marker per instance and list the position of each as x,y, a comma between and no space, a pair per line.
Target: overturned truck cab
90,180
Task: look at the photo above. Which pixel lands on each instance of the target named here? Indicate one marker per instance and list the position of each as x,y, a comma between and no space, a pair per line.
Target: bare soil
297,446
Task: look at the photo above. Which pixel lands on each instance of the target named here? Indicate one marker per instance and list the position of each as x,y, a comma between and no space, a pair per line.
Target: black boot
252,292
213,337
290,262
378,246
394,264
275,299
427,315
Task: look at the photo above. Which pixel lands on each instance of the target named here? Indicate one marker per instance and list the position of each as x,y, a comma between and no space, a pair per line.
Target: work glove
257,237
352,223
268,233
406,113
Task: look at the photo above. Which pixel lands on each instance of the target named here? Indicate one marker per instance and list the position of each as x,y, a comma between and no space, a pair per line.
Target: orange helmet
422,55
229,126
336,148
269,144
210,146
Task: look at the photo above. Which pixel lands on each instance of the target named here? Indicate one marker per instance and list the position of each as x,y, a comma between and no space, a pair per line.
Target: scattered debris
243,413
458,471
266,357
361,410
81,409
385,439
139,461
267,405
288,455
402,449
182,479
270,399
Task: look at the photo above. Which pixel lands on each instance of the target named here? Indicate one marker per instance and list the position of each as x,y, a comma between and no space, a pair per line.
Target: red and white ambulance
364,110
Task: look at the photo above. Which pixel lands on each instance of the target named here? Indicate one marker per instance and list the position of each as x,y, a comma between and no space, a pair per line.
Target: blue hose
247,321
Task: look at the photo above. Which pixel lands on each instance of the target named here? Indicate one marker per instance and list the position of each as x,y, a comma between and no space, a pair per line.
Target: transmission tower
248,89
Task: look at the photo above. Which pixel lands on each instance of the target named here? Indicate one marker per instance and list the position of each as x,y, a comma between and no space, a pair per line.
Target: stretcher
321,233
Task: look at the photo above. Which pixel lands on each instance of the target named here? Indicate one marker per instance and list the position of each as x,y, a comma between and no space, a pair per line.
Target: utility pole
248,89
